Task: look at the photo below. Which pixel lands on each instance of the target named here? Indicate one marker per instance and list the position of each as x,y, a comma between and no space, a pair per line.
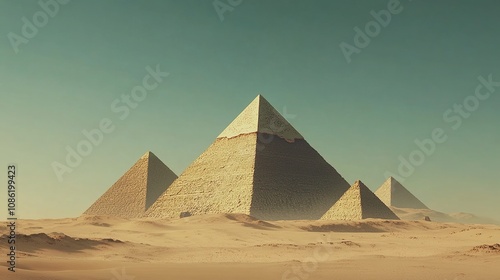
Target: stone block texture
136,190
357,203
259,165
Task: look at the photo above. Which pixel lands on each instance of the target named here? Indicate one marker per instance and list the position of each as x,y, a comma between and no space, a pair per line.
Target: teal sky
360,116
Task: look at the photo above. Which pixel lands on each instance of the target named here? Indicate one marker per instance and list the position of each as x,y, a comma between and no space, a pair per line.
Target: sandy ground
237,246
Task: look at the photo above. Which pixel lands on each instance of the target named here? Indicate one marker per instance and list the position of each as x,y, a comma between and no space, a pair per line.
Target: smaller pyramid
357,203
392,193
132,194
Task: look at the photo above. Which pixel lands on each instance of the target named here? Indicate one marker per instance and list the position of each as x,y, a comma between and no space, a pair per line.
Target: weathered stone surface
392,193
136,190
357,203
218,181
282,177
260,116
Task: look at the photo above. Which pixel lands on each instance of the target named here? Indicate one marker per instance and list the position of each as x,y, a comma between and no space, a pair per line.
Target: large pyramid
136,190
392,193
357,203
259,165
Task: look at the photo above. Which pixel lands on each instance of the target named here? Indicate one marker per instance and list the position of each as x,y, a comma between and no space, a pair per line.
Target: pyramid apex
393,193
135,190
147,154
359,184
261,117
393,182
358,202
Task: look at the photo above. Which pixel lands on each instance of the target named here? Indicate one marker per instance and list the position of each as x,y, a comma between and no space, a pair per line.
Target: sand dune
419,214
60,242
237,246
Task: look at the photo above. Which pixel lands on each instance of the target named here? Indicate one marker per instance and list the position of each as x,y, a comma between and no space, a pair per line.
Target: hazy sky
360,116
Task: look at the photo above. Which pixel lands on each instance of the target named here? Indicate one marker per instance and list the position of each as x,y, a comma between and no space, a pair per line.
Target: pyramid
392,193
357,203
259,165
136,190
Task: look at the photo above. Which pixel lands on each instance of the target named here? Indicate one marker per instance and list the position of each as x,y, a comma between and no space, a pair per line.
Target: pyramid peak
147,154
261,117
260,98
359,186
358,202
135,190
392,179
391,182
393,193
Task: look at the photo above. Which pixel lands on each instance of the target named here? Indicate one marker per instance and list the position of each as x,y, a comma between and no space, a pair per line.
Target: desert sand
237,246
133,231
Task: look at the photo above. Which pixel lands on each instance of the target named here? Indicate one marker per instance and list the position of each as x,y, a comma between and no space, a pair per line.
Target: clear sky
361,116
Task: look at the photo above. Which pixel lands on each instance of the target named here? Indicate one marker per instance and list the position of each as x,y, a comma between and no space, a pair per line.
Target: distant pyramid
136,190
259,165
392,193
357,203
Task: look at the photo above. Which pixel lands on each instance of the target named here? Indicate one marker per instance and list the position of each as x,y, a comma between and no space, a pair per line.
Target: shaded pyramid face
357,203
392,193
260,166
136,190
